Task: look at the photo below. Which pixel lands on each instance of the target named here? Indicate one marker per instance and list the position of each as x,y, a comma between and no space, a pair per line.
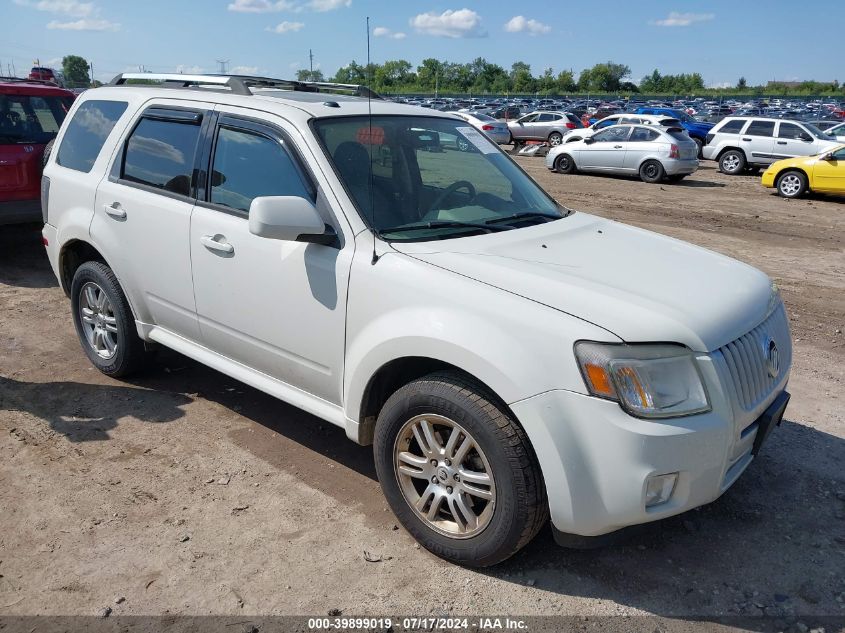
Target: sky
761,40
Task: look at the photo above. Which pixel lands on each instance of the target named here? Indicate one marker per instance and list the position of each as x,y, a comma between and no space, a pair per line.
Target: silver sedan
655,153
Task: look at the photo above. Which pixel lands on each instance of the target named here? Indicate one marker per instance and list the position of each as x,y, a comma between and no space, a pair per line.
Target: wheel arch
72,255
798,169
398,372
727,149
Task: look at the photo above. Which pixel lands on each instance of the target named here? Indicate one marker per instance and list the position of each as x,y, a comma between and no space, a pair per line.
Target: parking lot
184,491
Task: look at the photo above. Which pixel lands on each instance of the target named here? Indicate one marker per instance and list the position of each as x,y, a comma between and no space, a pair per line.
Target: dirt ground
185,492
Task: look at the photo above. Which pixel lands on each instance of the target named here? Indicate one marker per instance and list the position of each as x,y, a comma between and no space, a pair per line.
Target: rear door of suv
758,142
142,214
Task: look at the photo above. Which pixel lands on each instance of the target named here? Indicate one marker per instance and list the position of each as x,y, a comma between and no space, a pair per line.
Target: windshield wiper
522,217
437,224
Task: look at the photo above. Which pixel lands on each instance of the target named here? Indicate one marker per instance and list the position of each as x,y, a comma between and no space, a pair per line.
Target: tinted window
616,133
545,118
160,154
86,133
792,131
761,128
642,134
248,165
732,127
839,154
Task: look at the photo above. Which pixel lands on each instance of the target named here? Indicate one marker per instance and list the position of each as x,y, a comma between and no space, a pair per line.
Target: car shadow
698,184
23,260
87,412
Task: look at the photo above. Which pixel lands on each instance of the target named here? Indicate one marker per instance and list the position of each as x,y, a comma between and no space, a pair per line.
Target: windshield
683,116
31,119
430,178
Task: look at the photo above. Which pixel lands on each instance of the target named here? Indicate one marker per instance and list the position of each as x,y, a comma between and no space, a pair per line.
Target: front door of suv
278,307
142,215
793,140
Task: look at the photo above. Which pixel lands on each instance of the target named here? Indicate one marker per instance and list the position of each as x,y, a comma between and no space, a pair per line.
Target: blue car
696,129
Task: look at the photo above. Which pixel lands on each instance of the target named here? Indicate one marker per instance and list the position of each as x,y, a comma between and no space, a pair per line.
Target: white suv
508,358
743,143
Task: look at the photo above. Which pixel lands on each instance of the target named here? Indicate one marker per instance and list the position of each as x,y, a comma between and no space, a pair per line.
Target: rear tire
652,171
429,500
564,164
732,162
555,139
104,322
791,184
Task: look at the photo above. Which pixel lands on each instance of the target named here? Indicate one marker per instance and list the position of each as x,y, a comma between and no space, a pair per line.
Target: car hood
639,285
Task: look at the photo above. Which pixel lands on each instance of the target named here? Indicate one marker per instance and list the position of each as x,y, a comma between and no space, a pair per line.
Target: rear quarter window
87,132
732,127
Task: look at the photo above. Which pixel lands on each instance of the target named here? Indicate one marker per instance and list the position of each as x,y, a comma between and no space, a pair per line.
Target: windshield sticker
481,142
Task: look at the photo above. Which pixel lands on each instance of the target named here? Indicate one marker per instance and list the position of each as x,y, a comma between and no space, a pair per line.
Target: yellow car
823,172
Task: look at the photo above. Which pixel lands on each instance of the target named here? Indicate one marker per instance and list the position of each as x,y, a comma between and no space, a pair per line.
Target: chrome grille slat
743,363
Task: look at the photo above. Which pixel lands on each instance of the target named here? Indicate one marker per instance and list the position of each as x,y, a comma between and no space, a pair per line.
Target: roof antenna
370,144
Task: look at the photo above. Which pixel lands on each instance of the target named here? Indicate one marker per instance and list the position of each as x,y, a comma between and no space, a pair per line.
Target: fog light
659,489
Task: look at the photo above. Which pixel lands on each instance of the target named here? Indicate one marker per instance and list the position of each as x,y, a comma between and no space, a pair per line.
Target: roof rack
27,80
240,84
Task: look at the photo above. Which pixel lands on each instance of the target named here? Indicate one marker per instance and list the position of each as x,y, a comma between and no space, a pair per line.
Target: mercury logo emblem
28,149
772,358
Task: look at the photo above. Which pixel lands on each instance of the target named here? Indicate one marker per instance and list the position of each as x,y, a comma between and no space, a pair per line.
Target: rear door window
160,154
87,132
26,119
761,128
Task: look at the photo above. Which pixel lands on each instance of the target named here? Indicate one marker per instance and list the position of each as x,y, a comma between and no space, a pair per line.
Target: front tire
791,184
104,322
564,164
458,471
732,162
652,171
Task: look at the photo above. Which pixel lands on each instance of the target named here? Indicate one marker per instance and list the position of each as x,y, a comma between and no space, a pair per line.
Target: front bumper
596,459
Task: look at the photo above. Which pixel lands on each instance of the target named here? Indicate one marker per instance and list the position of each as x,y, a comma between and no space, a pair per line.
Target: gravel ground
185,492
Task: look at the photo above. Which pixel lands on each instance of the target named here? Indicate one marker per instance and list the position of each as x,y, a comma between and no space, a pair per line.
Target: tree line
482,77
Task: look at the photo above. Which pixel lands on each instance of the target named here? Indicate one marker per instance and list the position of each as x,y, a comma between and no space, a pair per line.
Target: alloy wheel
98,320
790,185
444,476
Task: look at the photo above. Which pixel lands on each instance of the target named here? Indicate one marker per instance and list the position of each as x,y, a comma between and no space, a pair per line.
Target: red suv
43,74
30,117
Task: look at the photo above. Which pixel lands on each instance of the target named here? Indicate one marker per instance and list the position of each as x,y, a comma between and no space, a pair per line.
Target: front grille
745,363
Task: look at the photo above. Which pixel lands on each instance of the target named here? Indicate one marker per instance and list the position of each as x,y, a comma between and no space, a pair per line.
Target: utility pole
311,60
91,67
223,63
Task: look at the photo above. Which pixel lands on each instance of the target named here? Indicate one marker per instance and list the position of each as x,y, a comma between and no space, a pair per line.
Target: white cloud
68,7
286,27
724,84
381,31
260,6
328,5
450,23
684,19
84,24
187,70
521,24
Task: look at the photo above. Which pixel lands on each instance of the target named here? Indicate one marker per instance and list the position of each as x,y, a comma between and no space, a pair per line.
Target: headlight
648,381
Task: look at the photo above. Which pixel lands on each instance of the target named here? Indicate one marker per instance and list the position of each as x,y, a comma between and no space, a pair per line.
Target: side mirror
589,140
830,157
290,219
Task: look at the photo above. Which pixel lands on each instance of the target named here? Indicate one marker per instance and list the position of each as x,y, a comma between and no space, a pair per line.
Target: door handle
747,140
217,243
781,142
617,147
115,210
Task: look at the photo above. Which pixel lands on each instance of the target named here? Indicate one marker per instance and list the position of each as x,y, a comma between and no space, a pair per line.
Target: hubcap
98,321
790,185
731,162
444,476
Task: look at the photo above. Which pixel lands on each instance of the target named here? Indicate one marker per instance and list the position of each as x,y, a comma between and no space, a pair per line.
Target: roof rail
240,84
